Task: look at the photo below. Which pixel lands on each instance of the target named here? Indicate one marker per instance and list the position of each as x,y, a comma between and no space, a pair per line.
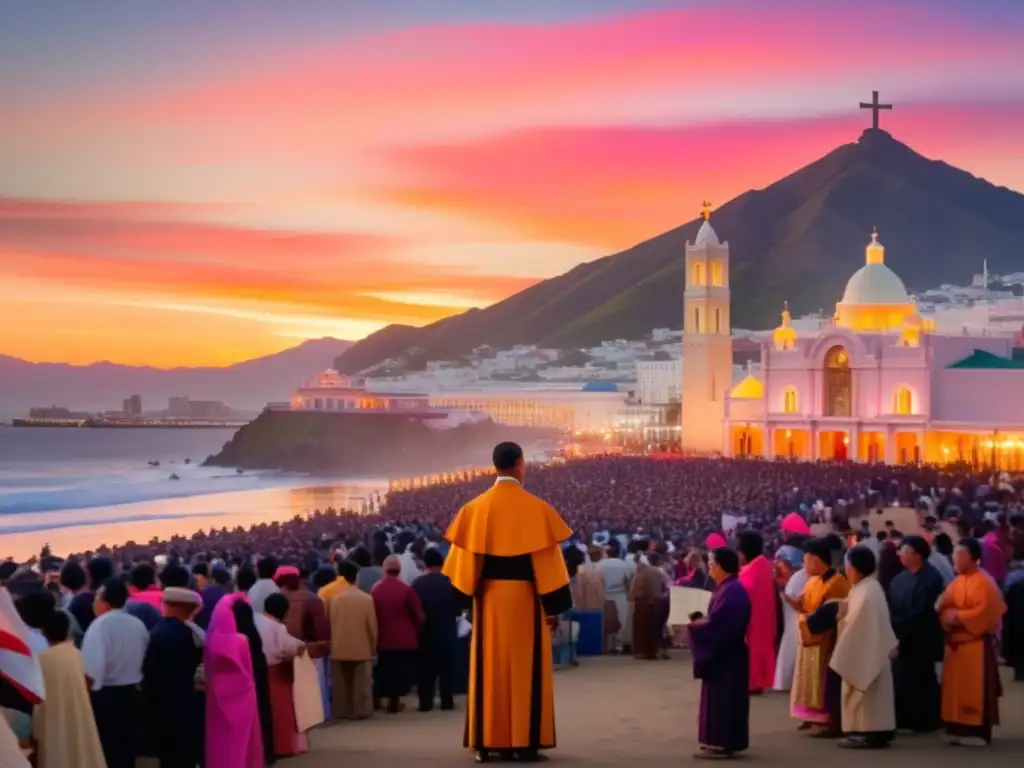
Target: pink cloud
612,186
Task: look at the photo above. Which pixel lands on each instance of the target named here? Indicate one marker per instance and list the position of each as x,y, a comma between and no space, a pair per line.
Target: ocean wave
58,493
86,522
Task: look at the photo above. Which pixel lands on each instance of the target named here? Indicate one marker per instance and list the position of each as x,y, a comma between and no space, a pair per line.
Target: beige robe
862,659
63,725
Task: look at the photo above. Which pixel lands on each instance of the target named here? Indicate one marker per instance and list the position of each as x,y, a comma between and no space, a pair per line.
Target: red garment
287,740
399,615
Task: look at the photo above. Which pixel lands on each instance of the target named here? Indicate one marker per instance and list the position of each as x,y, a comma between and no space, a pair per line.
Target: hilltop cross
875,108
705,210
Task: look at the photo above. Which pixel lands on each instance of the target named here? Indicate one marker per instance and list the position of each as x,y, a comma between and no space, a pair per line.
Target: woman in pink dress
233,738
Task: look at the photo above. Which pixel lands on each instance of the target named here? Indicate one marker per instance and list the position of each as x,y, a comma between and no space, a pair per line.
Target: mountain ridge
101,385
798,240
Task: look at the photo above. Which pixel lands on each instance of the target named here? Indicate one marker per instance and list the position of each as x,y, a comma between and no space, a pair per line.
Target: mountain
798,240
102,386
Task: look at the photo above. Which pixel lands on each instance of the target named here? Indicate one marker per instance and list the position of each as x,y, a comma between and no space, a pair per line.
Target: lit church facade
877,384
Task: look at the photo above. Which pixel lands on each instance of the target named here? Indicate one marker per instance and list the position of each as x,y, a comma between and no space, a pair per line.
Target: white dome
706,235
875,284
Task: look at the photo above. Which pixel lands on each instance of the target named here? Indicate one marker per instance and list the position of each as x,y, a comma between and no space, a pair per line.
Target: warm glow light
789,434
945,450
846,439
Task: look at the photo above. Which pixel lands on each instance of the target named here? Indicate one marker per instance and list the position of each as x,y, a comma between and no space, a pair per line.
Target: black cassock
912,598
174,709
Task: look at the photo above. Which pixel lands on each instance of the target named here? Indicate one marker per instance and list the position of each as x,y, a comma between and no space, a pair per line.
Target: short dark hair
201,569
175,576
100,569
142,576
819,548
506,456
727,560
360,556
433,558
943,544
348,570
919,545
35,606
57,627
7,569
276,605
221,575
323,576
750,543
115,592
266,567
245,578
72,576
972,546
861,559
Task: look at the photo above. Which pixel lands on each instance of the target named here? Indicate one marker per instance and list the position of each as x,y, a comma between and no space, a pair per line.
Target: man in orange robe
506,559
970,610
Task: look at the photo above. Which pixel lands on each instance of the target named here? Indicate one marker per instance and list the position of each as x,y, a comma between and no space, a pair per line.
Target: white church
877,384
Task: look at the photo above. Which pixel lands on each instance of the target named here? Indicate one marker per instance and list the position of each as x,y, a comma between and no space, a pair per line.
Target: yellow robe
807,696
63,725
979,606
505,556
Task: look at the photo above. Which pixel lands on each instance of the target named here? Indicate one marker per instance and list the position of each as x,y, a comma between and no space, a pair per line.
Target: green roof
980,359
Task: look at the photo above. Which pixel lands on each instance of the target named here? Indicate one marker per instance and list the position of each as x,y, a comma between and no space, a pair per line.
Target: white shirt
259,593
615,573
113,650
277,643
410,571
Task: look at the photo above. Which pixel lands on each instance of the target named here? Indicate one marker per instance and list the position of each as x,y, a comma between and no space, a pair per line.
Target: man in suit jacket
353,620
438,633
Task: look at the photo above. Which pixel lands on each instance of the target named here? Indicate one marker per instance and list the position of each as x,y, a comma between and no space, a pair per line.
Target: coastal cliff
361,444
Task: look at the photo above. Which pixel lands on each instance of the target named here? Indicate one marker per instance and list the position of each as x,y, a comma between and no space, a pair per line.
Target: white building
658,381
591,408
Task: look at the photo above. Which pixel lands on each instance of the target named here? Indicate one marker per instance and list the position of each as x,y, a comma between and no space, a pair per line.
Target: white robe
862,659
785,664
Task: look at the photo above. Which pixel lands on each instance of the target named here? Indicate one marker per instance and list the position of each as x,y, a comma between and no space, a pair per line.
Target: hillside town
628,391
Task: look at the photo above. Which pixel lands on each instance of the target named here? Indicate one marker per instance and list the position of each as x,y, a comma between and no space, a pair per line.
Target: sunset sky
197,183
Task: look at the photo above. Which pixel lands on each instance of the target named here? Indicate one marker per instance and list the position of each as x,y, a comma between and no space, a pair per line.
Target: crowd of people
223,648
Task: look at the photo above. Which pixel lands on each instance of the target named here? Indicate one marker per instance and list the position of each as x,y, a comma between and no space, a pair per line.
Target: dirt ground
613,710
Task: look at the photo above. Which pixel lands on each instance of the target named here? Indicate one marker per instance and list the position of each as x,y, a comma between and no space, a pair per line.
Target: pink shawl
758,578
233,738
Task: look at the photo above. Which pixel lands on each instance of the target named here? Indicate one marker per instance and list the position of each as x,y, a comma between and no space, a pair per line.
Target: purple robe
721,661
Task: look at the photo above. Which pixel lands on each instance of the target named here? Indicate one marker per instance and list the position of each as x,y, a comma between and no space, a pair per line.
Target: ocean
75,489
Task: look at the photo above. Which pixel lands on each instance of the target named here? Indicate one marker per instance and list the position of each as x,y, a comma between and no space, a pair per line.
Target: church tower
707,340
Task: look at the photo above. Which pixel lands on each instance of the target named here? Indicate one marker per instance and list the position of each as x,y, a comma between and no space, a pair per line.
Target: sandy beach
615,711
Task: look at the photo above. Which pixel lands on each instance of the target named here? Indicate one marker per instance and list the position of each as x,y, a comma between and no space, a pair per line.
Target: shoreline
141,521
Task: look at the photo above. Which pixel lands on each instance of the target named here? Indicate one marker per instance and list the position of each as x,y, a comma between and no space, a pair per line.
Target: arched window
697,273
790,404
718,320
904,405
717,274
696,320
838,383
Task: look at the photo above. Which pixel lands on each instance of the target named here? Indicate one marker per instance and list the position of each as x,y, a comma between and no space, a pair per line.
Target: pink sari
233,738
759,579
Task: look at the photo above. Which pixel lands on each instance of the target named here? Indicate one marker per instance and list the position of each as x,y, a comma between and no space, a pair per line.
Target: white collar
505,479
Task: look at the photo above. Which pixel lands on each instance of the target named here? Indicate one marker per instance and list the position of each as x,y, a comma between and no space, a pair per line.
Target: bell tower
707,340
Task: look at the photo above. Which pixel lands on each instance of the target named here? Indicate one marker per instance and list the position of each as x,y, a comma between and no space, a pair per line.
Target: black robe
912,598
245,621
172,707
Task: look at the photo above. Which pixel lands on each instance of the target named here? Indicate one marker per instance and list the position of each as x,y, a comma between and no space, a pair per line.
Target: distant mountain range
797,240
102,386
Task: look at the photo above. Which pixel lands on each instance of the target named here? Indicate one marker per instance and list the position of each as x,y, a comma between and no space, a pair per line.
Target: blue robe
721,661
